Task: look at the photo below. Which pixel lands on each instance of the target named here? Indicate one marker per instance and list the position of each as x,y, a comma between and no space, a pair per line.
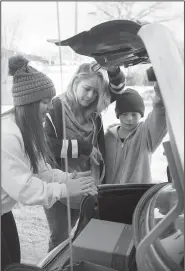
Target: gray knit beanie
29,84
129,101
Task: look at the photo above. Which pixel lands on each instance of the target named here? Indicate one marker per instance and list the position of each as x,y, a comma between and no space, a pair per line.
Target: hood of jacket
112,130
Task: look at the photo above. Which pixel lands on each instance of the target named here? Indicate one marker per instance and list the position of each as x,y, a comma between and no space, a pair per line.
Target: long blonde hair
85,71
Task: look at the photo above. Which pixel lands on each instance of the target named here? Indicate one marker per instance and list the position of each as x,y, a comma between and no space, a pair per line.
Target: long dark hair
32,130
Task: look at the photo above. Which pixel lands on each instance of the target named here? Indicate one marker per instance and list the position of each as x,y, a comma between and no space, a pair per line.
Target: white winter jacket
18,183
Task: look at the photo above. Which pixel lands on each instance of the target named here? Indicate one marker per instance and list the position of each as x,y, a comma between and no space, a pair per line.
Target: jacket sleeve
20,183
155,127
109,158
49,174
116,83
72,148
101,146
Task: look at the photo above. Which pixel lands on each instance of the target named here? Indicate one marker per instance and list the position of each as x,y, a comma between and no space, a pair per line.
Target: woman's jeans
10,246
58,223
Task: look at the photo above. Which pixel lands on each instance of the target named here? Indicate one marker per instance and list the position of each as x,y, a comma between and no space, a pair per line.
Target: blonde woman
88,94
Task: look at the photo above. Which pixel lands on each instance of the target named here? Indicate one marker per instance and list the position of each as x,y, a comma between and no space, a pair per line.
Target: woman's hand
95,156
93,191
75,173
81,183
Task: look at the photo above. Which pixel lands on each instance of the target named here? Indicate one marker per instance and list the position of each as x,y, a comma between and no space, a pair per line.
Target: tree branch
14,32
119,11
123,10
131,4
146,12
105,12
168,19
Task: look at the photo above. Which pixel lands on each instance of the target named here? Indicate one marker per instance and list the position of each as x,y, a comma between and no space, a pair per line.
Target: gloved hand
113,70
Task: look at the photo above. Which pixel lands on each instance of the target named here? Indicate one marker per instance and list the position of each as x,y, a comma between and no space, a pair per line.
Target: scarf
86,131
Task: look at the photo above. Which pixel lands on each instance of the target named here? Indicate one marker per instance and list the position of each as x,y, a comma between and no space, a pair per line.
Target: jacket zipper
124,157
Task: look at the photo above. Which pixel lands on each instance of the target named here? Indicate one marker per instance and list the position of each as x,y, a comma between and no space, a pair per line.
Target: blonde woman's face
87,90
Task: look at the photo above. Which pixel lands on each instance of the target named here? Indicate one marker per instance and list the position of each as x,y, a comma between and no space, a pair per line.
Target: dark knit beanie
29,85
129,101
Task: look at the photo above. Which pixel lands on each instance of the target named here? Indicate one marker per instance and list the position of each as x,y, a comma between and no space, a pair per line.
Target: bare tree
10,38
142,11
158,12
10,34
9,43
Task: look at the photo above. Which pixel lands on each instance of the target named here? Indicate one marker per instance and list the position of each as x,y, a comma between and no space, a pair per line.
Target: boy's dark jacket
54,126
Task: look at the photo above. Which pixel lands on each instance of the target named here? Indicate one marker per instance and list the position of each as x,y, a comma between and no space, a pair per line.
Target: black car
156,211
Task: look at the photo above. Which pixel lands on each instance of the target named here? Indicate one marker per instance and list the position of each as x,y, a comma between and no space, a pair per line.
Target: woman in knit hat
87,95
26,176
130,144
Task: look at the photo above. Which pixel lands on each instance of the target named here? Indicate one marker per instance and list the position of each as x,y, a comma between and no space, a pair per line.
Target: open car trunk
111,43
114,203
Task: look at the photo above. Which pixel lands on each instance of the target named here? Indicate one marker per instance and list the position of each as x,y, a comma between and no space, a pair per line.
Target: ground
31,221
33,232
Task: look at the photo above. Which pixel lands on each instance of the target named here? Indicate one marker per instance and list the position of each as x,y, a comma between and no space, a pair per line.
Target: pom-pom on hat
29,84
129,101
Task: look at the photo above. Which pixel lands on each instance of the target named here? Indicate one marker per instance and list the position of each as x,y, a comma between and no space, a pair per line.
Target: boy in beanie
130,144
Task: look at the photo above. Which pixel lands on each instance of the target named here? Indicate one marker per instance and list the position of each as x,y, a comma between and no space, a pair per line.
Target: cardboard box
86,266
106,243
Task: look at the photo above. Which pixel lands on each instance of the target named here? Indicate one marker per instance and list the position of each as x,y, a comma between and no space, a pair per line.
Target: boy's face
129,120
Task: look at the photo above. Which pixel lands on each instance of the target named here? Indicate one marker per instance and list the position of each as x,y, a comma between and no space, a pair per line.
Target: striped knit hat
29,85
